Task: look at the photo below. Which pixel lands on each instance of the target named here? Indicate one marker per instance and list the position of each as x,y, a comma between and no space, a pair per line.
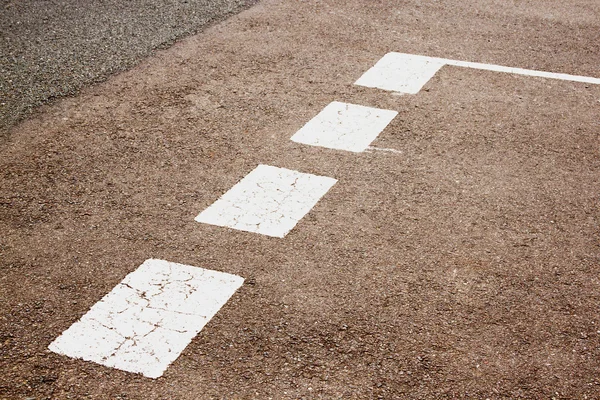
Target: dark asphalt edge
7,124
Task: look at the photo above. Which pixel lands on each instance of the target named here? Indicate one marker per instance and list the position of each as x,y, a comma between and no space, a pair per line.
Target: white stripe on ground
149,318
526,72
373,148
269,201
408,73
344,126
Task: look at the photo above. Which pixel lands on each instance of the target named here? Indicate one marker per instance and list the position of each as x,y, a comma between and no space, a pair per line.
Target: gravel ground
51,49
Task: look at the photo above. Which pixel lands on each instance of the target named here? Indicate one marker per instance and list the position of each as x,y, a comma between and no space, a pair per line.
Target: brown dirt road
465,267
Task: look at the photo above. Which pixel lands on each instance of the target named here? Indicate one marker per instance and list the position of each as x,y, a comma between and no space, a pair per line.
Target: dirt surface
465,267
53,48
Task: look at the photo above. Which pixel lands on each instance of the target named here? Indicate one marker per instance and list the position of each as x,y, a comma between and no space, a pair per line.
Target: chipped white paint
408,73
373,148
397,72
149,318
344,126
269,201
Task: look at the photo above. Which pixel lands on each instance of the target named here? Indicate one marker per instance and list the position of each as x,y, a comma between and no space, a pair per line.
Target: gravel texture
50,49
463,266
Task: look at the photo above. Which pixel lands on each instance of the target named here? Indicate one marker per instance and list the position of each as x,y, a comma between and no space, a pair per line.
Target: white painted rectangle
149,318
403,73
344,126
269,201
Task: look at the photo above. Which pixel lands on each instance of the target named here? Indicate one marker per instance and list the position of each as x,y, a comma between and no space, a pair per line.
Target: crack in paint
268,200
148,318
344,126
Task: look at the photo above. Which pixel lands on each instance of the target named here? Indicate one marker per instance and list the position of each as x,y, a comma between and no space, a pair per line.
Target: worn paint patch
398,72
269,201
385,150
344,126
408,73
149,318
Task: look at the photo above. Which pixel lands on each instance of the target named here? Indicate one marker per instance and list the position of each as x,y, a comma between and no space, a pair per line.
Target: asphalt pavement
320,199
51,49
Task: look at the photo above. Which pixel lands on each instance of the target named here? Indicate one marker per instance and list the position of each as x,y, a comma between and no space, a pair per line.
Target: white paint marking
408,73
149,318
526,72
373,148
398,72
269,201
344,126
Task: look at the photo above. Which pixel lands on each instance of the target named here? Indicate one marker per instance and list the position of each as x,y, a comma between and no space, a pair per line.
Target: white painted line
526,72
344,126
408,73
373,148
269,201
398,72
149,318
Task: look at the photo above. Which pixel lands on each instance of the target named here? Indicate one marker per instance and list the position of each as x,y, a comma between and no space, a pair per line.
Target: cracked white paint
269,201
404,73
344,126
408,73
149,318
